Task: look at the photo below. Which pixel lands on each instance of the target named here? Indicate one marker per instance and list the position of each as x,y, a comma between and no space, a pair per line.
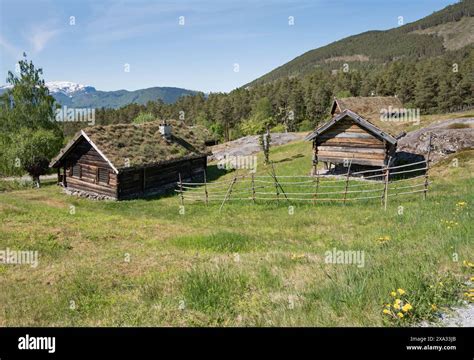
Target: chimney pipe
165,130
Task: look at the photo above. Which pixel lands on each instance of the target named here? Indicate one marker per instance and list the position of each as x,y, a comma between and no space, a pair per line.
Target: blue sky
199,55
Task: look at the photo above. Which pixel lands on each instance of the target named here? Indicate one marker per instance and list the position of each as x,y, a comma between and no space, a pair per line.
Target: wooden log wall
89,160
348,140
149,180
128,183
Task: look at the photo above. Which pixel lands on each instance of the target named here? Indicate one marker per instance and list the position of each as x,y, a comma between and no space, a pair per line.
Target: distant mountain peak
65,87
71,94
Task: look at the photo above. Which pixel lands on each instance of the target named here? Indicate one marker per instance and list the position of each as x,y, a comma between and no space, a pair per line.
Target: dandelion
407,307
400,315
396,306
401,291
387,312
388,306
434,307
393,294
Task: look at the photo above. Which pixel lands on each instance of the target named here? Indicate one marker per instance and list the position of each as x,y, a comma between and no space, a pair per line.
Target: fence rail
382,184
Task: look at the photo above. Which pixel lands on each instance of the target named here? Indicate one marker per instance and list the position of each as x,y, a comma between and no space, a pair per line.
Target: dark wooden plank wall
348,140
139,182
89,160
129,183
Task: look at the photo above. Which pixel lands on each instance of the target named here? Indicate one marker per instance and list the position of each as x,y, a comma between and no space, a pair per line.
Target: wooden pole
229,191
385,188
317,188
315,157
253,188
205,187
277,184
347,181
181,189
425,193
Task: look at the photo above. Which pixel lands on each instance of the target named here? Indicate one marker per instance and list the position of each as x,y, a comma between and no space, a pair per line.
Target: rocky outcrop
249,145
447,137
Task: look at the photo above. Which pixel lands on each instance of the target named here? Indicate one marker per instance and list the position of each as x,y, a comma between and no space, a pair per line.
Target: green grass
141,262
218,242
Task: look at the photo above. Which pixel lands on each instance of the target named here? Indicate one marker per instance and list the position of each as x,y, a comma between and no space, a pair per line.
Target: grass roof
370,108
138,145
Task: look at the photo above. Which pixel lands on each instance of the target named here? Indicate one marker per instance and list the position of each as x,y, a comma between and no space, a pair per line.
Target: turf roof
370,108
139,145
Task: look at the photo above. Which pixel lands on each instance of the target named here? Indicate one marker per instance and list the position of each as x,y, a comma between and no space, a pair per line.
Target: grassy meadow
142,263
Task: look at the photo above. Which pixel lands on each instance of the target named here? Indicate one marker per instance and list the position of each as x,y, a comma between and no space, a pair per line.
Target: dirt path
27,178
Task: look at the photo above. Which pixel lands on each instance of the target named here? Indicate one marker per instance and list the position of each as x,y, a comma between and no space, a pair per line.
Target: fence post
427,169
278,185
347,181
205,187
276,188
384,199
229,191
181,189
317,188
253,188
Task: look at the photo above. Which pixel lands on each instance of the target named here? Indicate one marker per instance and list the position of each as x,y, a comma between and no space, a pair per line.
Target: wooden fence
380,183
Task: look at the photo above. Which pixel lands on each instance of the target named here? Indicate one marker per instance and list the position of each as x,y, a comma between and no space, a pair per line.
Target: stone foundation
86,194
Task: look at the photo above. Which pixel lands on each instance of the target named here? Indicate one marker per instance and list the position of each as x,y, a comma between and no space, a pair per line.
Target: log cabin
351,137
126,161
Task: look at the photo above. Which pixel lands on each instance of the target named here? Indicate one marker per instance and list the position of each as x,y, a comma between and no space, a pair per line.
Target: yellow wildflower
400,315
396,306
385,311
393,293
434,307
401,291
407,307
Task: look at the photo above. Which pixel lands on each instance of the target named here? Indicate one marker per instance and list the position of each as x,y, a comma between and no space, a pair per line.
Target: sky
206,45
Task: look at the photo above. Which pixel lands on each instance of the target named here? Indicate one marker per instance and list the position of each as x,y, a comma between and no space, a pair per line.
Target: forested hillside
378,47
415,67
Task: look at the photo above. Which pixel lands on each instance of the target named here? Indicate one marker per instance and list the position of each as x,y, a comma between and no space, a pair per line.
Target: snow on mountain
65,87
60,87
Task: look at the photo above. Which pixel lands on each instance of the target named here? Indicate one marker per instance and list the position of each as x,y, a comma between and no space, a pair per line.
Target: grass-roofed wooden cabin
131,160
357,133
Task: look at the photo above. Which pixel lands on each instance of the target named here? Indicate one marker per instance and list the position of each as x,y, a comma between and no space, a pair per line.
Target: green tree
30,134
33,150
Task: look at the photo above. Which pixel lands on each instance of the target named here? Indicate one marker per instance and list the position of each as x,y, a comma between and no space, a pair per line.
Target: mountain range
444,31
71,94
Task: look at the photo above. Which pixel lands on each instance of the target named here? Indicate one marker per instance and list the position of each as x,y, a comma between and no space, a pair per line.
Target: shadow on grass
297,156
212,173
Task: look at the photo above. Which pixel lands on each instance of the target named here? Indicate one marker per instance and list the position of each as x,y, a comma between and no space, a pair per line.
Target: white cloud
40,37
9,48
